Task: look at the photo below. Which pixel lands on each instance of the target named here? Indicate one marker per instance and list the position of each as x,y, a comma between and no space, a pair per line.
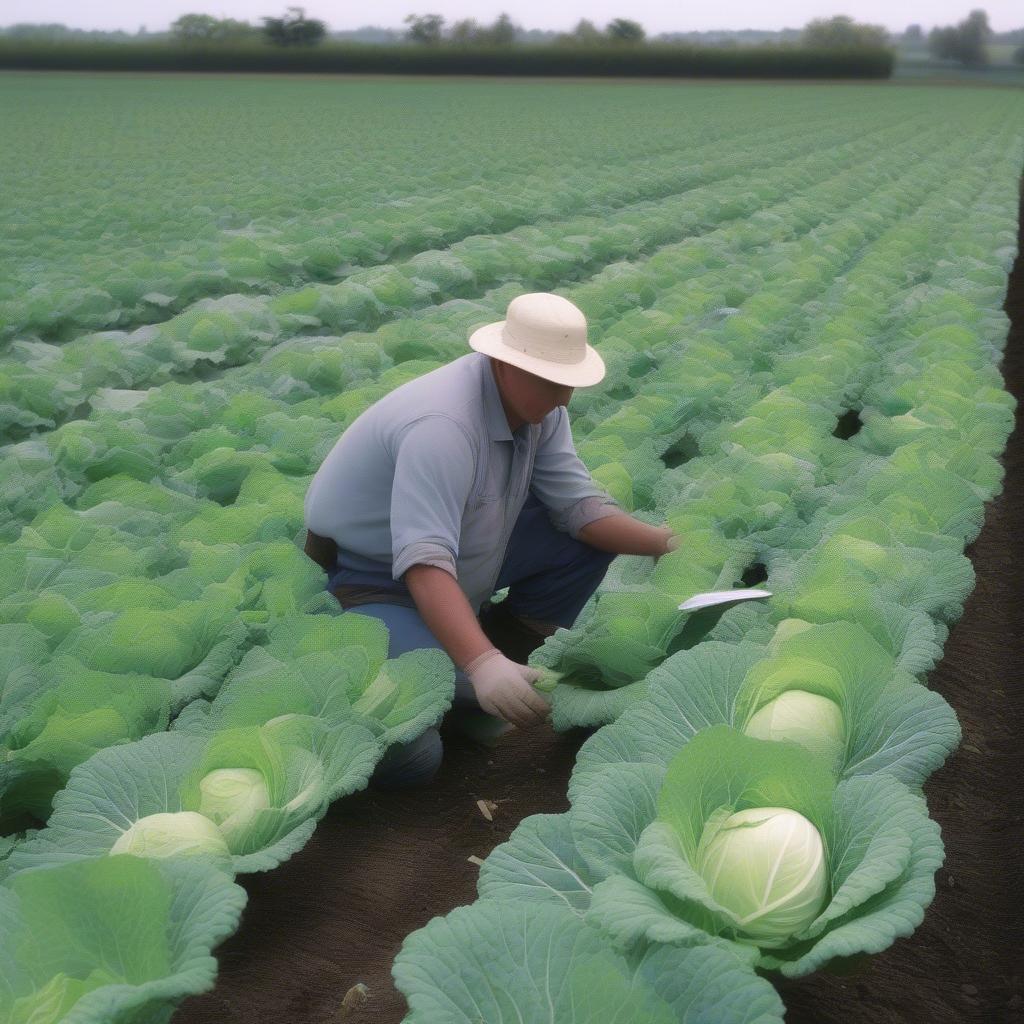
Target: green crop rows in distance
797,292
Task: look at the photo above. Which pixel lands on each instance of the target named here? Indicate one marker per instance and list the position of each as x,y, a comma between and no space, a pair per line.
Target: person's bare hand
504,688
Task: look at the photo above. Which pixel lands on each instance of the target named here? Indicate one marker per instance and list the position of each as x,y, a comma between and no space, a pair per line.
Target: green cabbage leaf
498,960
75,712
111,938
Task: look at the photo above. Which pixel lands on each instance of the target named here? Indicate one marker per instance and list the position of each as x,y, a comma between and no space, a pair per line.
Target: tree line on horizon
965,42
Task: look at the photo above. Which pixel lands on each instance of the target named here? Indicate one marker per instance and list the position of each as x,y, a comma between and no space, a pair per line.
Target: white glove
503,688
671,541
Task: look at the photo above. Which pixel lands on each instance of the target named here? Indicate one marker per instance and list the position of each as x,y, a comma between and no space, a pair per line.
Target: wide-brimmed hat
545,335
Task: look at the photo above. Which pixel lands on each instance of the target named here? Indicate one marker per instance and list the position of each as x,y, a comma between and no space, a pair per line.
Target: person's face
526,397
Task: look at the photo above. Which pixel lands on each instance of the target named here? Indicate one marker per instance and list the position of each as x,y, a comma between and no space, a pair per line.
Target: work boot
516,640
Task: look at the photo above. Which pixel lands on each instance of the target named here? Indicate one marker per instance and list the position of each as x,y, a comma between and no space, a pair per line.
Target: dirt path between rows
381,865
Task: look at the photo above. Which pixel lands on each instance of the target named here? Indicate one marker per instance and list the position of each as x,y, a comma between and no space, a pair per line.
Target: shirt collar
494,411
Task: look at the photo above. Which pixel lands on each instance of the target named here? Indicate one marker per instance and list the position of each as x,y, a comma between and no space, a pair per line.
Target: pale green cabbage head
767,867
788,628
813,721
280,719
380,696
232,797
171,835
866,552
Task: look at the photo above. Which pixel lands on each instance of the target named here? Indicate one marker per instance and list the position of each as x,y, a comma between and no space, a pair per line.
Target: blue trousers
550,577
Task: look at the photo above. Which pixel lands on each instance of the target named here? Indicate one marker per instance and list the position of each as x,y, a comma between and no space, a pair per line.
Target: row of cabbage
296,374
270,599
93,576
797,431
627,212
755,801
278,208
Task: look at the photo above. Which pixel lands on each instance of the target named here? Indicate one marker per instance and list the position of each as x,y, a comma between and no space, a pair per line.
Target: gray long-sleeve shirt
431,474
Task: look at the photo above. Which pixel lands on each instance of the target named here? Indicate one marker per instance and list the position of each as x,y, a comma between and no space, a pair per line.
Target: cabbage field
798,294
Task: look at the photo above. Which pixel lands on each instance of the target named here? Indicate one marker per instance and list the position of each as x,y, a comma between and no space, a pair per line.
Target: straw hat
545,335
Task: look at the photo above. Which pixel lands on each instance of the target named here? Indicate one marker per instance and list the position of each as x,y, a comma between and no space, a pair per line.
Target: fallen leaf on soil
473,859
354,997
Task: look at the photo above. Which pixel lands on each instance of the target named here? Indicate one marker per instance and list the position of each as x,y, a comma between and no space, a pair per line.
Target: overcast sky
655,15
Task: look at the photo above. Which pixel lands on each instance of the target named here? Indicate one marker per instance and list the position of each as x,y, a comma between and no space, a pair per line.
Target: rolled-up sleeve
434,469
564,485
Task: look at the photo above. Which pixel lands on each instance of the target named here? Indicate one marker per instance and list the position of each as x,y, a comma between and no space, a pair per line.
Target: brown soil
381,865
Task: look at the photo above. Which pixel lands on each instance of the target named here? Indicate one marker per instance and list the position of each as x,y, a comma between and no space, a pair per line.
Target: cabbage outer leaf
538,863
112,938
499,960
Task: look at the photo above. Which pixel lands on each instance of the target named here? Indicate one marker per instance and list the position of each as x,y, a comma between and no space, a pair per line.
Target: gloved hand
671,541
503,688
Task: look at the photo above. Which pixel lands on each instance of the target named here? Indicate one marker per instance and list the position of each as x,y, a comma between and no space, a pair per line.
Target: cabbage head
738,831
379,698
171,834
813,721
766,867
259,784
832,688
232,797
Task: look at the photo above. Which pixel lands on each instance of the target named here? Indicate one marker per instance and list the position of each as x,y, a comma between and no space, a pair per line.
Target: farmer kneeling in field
462,482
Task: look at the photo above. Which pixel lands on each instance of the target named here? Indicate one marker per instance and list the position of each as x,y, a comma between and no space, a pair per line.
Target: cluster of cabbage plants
236,785
395,191
286,412
615,216
755,478
757,787
154,554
